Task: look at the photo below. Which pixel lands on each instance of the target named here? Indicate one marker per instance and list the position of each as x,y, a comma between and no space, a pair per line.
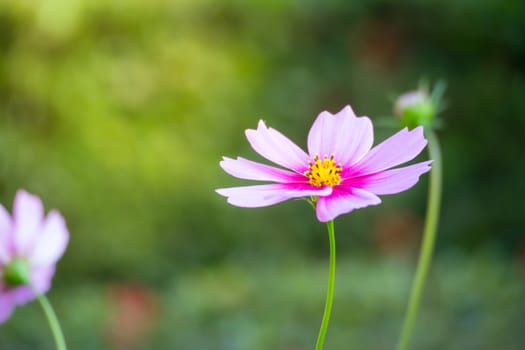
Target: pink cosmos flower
30,246
341,171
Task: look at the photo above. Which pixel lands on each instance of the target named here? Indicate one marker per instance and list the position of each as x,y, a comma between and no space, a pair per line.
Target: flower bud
415,108
16,272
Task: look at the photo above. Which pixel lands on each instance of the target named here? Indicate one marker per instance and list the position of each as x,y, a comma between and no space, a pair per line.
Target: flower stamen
324,172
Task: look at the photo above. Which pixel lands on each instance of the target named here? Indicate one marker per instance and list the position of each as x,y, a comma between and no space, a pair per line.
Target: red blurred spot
520,258
398,232
133,309
380,43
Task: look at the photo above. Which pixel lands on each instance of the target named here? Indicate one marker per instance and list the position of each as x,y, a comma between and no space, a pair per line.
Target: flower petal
249,170
21,295
274,146
28,214
6,305
397,149
348,137
40,283
52,241
41,278
321,137
5,235
394,180
342,201
265,195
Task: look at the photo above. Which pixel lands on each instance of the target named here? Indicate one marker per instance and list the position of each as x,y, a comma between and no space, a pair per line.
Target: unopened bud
415,108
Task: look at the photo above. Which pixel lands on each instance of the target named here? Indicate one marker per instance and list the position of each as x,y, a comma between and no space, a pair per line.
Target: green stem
53,322
429,237
330,290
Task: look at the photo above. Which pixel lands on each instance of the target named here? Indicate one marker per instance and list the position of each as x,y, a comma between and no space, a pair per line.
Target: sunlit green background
118,112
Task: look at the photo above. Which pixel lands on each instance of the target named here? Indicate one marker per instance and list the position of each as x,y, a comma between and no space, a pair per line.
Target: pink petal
6,306
342,201
52,241
21,295
276,147
348,137
5,235
41,278
28,214
394,180
249,170
397,149
321,138
40,283
265,195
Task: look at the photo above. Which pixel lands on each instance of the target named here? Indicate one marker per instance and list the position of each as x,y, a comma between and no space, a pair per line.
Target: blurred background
117,113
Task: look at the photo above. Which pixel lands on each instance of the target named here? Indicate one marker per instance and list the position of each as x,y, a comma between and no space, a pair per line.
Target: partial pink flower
30,246
341,171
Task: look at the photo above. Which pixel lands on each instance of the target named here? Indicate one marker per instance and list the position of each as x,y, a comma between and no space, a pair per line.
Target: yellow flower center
324,172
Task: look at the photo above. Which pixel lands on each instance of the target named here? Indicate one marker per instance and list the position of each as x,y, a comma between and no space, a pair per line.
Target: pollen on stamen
324,172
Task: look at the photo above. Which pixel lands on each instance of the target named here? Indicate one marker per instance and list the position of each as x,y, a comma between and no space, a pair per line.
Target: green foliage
471,302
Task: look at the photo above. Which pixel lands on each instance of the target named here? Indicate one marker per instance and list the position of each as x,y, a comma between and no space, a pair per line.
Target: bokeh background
118,112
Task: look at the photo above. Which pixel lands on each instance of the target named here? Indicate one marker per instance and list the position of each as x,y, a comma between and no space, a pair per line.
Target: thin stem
53,322
429,237
330,290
